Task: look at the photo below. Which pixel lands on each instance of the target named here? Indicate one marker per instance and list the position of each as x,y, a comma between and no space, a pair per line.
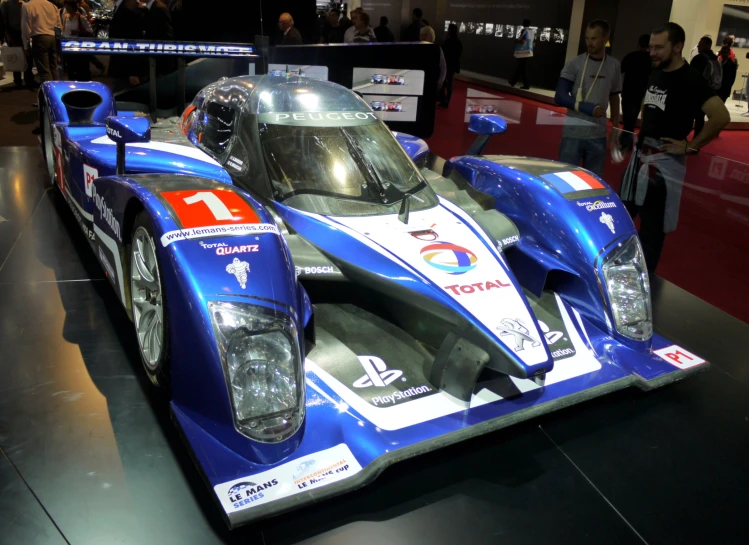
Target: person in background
158,27
523,52
383,33
653,181
730,66
696,49
348,36
11,13
75,24
333,31
588,84
427,35
127,24
636,68
452,49
707,64
291,35
345,21
363,32
40,20
413,31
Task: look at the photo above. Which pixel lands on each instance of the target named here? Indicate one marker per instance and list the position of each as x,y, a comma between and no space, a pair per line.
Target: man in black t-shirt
652,184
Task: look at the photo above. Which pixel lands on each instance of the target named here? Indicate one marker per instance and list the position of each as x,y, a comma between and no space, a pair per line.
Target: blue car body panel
538,309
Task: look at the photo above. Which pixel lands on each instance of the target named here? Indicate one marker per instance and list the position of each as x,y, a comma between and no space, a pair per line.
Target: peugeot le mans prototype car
317,306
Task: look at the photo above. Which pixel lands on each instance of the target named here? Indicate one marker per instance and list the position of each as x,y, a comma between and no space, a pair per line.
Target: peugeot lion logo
519,331
377,373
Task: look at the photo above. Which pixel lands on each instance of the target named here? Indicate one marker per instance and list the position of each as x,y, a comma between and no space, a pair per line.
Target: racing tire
48,144
148,303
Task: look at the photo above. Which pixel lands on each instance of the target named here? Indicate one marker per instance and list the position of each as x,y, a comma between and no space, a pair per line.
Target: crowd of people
35,25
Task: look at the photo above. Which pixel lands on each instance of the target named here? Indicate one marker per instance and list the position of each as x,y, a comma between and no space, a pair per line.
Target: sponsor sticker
107,265
242,249
508,241
458,289
207,208
449,257
597,205
306,473
219,230
239,269
608,221
106,213
679,357
316,270
89,175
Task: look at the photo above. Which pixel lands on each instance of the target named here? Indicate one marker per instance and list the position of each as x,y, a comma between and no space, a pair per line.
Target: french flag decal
572,181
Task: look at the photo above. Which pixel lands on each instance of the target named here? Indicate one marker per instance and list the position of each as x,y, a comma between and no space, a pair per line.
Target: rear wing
153,49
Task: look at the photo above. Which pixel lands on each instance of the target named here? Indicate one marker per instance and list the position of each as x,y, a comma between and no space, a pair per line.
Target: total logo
377,373
458,289
449,257
113,132
248,492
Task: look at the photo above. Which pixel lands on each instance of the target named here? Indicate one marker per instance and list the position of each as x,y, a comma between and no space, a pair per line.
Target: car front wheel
148,300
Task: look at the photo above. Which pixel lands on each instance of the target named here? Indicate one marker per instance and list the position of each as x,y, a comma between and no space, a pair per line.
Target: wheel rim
146,295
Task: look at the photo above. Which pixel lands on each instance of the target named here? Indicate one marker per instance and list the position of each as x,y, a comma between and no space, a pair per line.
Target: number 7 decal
204,208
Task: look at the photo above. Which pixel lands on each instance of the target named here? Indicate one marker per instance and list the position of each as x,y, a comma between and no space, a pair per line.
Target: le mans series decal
211,213
301,475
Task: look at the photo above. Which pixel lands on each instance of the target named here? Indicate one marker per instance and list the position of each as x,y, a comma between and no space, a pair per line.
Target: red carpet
708,254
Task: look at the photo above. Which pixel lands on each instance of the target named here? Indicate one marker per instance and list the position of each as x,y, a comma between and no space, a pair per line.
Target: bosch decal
316,270
478,286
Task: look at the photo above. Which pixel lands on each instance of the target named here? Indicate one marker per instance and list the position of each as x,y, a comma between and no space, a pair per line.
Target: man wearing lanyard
653,181
588,84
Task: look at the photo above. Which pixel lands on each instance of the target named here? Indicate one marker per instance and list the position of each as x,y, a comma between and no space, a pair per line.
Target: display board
735,21
488,30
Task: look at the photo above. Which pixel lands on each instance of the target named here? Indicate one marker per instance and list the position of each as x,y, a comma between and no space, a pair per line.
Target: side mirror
486,126
127,130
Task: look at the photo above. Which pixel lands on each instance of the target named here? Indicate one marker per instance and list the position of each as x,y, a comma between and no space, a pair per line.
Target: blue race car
317,304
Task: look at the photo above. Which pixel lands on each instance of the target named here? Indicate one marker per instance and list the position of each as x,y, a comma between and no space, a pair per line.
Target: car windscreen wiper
358,154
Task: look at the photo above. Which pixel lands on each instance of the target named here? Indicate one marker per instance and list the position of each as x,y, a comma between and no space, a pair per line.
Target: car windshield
349,170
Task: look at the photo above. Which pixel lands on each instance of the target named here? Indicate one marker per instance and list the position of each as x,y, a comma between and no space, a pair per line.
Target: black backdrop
492,55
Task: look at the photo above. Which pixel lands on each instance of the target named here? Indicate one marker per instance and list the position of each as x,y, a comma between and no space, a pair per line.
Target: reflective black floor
89,454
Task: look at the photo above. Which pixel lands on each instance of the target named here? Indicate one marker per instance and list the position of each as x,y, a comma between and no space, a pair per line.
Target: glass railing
703,199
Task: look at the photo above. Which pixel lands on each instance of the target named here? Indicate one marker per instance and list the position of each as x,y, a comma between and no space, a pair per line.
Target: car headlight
628,287
263,368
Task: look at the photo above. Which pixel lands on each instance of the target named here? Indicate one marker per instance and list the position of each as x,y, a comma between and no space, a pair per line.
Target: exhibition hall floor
90,456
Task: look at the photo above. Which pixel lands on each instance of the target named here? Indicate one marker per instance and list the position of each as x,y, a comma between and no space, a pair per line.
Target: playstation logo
377,373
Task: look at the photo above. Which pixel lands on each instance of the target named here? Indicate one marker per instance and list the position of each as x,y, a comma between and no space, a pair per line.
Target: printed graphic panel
388,81
209,207
390,108
510,110
308,71
300,475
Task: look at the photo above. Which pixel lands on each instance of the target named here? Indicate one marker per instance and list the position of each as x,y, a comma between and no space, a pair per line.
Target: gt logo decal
210,207
678,357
